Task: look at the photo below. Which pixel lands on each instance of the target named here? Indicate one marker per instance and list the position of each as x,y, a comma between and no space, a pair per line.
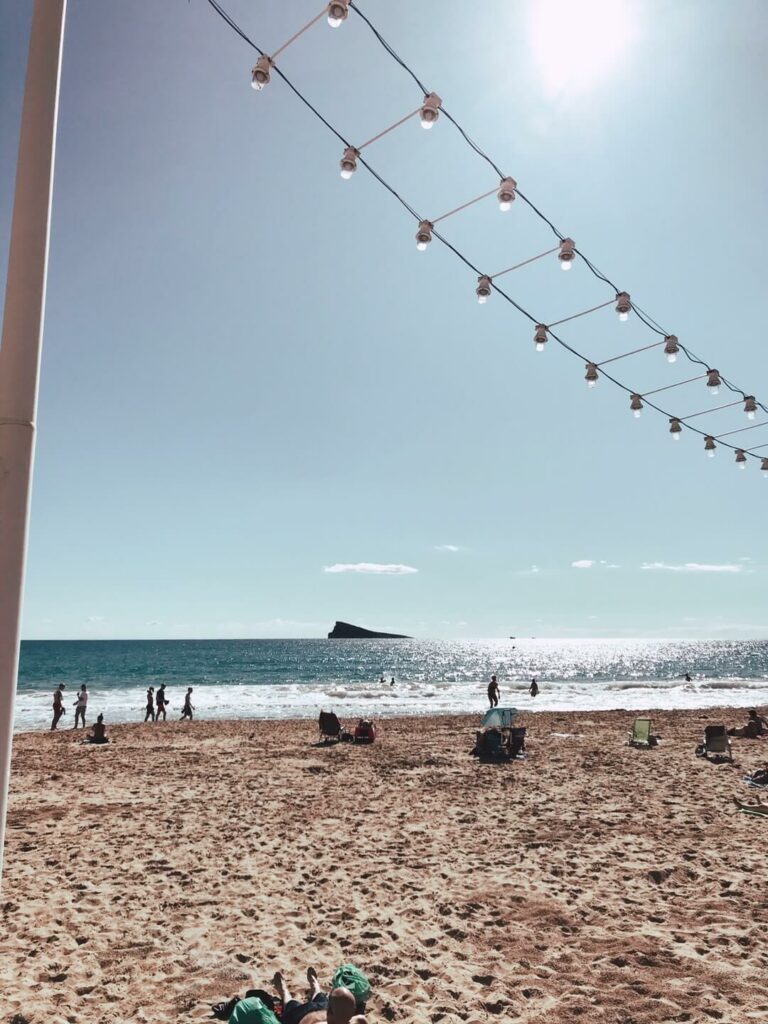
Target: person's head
82,687
151,689
342,1006
189,689
493,679
753,713
62,686
100,719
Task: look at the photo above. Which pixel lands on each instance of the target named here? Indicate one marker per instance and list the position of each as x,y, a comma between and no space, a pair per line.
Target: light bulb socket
430,110
348,162
338,11
260,72
750,406
506,193
540,337
709,445
636,403
591,375
671,347
623,304
424,234
713,380
741,458
483,290
675,428
567,253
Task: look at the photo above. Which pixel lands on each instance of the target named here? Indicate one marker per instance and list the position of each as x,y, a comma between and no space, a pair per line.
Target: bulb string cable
386,131
752,426
524,263
508,298
644,317
296,35
668,387
717,408
575,316
458,209
756,448
634,352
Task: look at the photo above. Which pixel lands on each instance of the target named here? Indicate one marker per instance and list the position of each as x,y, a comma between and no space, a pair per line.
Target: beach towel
252,1011
351,977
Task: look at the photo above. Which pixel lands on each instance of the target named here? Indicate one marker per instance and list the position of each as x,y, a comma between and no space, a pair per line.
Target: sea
298,678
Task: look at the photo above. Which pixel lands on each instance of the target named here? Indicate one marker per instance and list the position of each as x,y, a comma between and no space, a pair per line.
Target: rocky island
346,631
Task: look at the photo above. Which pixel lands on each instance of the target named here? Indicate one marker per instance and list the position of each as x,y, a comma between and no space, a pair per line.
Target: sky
262,410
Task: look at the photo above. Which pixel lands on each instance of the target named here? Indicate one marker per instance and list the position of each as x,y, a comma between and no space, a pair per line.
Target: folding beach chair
716,742
516,741
330,727
641,733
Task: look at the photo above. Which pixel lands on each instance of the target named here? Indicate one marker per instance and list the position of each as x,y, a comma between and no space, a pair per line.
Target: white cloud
95,618
583,563
528,572
446,547
692,567
375,568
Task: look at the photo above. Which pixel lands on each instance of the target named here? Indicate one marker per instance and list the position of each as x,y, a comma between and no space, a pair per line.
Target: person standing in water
493,692
160,702
150,715
534,688
186,711
58,705
80,705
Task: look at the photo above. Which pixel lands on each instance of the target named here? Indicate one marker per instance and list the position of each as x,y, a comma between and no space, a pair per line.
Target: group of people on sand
494,692
344,1003
158,702
98,733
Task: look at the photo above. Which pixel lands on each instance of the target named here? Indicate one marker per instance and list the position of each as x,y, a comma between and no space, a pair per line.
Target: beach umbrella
21,346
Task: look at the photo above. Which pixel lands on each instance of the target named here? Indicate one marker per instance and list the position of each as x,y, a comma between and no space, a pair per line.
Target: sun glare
576,44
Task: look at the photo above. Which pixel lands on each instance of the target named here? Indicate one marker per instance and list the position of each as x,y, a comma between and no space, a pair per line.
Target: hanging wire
644,317
508,298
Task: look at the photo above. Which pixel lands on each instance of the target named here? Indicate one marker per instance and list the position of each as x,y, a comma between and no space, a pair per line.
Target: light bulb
623,305
421,246
426,123
348,162
671,357
711,453
591,383
567,252
623,317
483,290
676,437
334,22
715,389
742,465
337,12
260,73
750,406
430,110
346,173
506,193
565,264
505,205
741,458
482,299
539,346
709,446
637,413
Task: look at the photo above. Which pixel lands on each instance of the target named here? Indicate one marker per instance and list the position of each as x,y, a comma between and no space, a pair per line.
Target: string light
675,428
764,467
430,110
741,458
750,407
567,247
483,290
348,162
636,405
423,235
506,193
540,337
671,348
713,382
623,306
591,375
338,11
260,75
709,446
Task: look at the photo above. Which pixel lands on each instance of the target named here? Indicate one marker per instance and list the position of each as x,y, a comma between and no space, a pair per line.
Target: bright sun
577,43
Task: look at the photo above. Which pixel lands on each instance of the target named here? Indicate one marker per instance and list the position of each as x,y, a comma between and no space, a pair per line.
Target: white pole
21,343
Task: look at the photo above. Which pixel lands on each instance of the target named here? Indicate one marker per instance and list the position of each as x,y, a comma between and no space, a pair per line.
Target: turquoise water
283,678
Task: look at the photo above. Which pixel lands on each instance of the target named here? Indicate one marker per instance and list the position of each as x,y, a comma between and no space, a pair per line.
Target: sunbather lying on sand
758,808
337,1007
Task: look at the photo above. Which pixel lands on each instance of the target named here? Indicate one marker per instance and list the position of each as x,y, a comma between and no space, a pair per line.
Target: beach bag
252,1011
351,977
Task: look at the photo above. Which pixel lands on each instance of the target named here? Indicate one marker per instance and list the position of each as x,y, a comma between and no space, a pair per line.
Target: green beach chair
641,733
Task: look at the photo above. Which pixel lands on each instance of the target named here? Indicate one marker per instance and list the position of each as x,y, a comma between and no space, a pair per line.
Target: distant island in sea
346,631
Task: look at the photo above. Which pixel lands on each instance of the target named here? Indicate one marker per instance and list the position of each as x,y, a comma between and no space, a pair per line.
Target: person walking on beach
160,702
80,705
493,692
186,711
534,689
150,705
58,705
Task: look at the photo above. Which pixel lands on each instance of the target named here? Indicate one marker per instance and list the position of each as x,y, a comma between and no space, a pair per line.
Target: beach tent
499,718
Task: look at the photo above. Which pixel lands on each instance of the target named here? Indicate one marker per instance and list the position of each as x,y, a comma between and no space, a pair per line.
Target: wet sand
185,862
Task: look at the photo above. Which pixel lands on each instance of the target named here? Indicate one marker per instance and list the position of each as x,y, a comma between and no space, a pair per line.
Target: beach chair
640,736
492,744
330,727
716,742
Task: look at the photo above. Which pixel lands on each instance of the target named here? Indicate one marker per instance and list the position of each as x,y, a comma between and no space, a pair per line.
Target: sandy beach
186,862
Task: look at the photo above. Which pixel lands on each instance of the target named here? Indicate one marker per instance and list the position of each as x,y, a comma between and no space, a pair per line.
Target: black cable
642,316
233,25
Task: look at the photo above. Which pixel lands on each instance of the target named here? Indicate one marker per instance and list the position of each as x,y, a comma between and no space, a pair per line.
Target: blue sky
251,376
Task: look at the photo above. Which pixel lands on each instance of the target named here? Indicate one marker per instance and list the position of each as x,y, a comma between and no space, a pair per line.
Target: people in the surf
98,732
160,702
80,705
58,704
186,711
534,687
150,713
392,681
688,677
493,692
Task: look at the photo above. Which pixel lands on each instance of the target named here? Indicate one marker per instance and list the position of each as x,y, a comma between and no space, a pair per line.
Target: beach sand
187,862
